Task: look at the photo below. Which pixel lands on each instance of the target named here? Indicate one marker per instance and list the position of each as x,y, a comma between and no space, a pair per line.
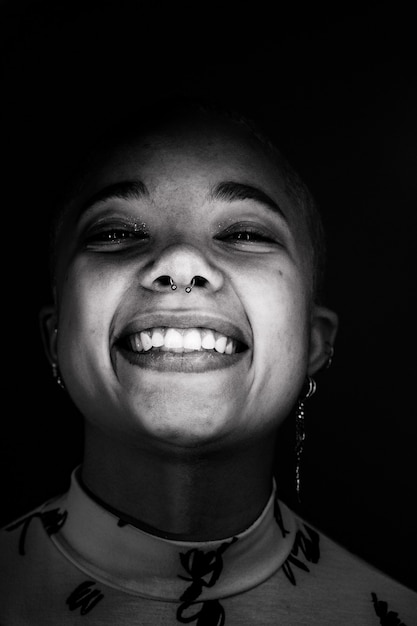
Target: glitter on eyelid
141,226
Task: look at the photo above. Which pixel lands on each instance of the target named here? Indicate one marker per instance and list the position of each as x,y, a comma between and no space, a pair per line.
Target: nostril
164,281
199,281
168,281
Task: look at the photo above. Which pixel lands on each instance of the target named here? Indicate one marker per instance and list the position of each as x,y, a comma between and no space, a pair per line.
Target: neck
186,494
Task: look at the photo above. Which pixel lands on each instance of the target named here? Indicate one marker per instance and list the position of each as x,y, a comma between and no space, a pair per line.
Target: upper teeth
181,340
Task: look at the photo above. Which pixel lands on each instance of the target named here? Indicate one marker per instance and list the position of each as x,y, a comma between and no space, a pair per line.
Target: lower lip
188,362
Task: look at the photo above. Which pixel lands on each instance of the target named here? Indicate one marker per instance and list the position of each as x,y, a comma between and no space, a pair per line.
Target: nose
182,267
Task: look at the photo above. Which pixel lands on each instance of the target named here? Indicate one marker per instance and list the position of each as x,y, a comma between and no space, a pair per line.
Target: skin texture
185,445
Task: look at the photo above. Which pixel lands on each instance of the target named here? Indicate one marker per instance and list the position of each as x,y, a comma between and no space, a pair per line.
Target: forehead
188,156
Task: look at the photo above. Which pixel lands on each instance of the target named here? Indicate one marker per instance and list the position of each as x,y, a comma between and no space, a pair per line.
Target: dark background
340,88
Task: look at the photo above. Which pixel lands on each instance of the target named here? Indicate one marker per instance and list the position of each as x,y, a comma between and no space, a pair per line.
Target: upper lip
187,319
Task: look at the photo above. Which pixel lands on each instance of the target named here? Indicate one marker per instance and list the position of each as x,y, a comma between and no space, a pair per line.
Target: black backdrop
341,88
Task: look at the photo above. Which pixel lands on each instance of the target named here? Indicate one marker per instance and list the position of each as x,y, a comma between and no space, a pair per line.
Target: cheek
278,306
89,292
279,314
88,300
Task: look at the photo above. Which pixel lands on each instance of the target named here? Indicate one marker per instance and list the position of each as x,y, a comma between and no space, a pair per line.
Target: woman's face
186,203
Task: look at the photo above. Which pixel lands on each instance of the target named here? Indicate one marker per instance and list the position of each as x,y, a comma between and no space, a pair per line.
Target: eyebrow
125,190
228,191
232,192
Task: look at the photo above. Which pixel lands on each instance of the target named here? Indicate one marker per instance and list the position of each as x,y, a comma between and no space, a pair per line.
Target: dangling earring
57,375
55,369
300,432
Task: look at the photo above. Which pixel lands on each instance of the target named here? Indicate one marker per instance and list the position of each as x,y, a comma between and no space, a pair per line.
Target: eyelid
115,223
94,235
247,226
120,220
107,211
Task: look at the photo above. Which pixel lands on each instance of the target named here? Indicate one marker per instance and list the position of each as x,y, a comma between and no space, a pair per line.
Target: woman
186,326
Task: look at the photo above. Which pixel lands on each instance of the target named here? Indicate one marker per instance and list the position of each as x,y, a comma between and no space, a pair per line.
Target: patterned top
72,561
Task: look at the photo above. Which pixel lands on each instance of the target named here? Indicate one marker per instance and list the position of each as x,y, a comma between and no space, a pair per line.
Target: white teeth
136,342
181,340
146,341
208,342
220,345
192,339
173,339
229,347
157,338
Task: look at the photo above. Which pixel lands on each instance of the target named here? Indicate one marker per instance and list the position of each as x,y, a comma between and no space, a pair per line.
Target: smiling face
200,205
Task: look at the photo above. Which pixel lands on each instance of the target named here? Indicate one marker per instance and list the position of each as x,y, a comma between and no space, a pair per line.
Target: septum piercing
188,287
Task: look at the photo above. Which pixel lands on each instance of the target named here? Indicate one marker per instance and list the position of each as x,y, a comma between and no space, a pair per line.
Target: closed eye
106,236
247,234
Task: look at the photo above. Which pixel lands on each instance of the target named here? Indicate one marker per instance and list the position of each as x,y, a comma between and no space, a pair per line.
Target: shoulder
339,579
48,518
28,557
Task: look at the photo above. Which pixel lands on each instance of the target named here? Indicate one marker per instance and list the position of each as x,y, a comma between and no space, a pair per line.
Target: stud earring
300,432
330,354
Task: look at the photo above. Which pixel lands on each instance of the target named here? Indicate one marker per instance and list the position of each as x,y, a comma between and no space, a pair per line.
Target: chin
185,425
184,409
188,431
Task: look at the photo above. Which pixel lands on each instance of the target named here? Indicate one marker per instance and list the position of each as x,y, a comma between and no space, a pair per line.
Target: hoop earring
300,432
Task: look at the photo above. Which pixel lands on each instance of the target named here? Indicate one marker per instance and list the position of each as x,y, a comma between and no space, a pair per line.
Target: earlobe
48,326
324,325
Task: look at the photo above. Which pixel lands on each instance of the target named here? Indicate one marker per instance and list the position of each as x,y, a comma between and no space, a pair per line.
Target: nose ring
187,289
190,286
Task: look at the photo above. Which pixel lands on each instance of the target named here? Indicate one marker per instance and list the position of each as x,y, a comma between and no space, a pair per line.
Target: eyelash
115,235
124,235
246,235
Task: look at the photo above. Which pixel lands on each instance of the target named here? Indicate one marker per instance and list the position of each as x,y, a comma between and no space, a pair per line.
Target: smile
181,340
187,341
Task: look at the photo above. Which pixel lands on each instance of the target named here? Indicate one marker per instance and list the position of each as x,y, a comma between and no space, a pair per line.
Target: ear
324,325
48,325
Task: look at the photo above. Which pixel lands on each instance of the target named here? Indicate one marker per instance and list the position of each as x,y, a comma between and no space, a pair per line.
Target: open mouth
186,341
180,341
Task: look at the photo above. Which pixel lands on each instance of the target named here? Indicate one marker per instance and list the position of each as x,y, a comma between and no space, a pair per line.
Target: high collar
129,559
